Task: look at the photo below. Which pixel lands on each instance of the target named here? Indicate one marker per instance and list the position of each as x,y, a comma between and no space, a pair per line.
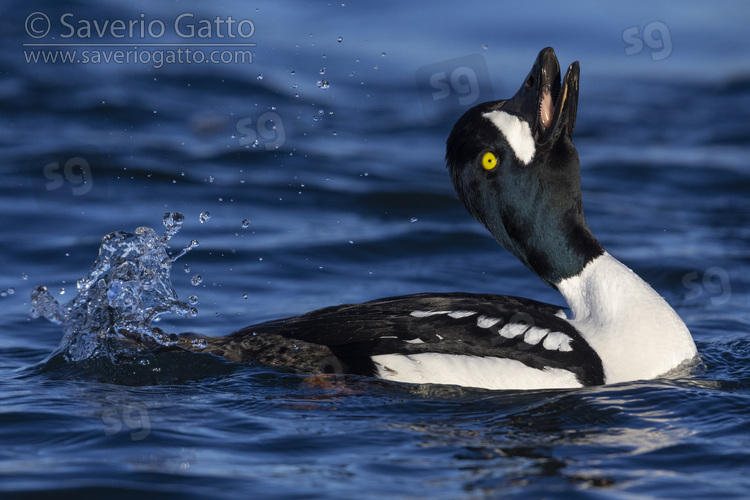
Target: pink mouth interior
546,110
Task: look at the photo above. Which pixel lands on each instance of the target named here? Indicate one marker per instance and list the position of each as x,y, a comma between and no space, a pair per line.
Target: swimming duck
514,166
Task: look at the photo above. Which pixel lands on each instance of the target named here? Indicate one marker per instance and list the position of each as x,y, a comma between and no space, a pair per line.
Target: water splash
127,289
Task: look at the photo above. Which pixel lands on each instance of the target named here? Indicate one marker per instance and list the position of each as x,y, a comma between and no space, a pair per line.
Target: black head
514,165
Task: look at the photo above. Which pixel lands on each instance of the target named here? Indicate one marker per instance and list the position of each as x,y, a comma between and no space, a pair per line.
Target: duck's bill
549,106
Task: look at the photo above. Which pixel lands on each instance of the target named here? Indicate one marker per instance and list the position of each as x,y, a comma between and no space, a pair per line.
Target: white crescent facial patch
517,132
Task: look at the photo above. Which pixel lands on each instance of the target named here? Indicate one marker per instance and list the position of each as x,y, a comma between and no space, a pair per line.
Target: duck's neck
636,333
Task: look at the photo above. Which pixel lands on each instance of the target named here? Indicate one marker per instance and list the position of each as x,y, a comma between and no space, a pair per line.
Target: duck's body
490,341
514,166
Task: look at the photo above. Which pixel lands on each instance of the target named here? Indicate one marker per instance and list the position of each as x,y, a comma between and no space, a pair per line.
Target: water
302,196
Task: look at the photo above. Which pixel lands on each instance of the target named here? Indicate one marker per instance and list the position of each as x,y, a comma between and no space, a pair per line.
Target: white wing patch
453,314
517,132
512,330
487,322
470,371
425,314
532,335
461,314
557,341
414,341
553,341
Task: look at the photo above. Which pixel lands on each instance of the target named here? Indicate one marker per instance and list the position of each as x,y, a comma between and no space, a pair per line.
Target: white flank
633,329
470,371
517,132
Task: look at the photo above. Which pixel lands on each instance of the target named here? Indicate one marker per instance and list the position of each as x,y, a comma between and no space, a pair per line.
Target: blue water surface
345,198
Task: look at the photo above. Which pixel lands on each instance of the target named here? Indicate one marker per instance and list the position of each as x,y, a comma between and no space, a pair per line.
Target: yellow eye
489,161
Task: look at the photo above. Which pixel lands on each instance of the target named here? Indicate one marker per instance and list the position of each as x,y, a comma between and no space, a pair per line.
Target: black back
342,339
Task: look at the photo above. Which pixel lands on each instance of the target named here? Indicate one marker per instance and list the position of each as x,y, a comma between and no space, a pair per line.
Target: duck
515,167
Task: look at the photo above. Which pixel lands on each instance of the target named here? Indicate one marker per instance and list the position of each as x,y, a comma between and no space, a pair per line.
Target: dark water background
348,200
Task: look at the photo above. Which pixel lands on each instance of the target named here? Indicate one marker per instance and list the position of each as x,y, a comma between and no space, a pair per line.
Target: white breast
633,329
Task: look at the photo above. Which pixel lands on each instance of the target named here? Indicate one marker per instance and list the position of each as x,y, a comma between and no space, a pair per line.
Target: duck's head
514,165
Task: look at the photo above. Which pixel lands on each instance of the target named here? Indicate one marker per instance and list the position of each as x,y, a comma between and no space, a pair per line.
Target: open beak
548,106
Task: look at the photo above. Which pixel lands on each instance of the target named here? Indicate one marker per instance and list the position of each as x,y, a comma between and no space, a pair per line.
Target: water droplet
193,299
244,295
24,276
322,70
196,280
245,223
186,268
340,39
323,84
210,178
259,77
293,73
173,221
485,47
413,219
200,343
204,216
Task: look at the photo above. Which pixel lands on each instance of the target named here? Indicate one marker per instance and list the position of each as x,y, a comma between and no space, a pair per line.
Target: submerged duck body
514,166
